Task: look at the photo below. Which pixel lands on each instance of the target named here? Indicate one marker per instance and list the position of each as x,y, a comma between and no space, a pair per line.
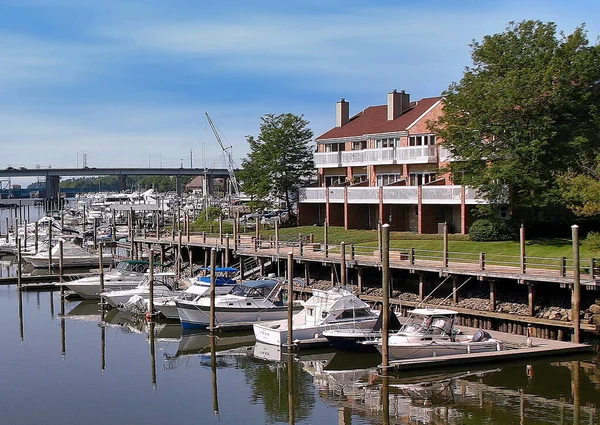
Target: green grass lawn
459,246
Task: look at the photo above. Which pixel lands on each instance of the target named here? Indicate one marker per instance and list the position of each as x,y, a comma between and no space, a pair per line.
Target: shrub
592,241
486,230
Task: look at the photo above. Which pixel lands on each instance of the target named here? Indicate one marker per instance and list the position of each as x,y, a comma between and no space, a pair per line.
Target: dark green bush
486,230
592,241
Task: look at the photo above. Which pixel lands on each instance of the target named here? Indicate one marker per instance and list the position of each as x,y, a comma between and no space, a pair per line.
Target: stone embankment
550,308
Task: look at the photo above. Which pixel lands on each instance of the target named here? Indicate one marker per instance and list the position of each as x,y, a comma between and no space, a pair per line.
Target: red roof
373,120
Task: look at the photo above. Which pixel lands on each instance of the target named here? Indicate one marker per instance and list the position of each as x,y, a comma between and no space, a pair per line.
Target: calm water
76,368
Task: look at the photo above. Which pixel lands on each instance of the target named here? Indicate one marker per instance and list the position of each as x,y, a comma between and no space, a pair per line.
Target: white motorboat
324,310
431,333
73,256
128,274
250,301
199,286
165,284
350,338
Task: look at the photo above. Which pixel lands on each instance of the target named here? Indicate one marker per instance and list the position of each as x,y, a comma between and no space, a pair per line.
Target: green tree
526,110
581,189
280,159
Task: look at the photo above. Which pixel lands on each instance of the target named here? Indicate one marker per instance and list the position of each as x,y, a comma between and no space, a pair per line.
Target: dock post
593,268
101,274
187,227
242,271
227,253
343,276
19,268
277,235
213,279
522,245
307,273
325,239
531,298
455,287
421,286
25,231
50,246
84,218
191,258
60,259
235,230
257,234
352,251
576,294
445,246
261,267
220,229
36,230
412,257
7,229
290,300
360,279
385,283
179,255
482,261
95,235
162,255
492,295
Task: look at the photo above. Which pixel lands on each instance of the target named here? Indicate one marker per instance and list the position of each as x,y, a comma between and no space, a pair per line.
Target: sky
127,83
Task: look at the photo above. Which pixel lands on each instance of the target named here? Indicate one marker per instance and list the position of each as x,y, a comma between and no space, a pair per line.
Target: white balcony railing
327,159
416,154
406,155
449,195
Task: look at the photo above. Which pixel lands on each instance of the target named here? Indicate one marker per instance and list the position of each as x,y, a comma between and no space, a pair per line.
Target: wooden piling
61,259
151,284
213,279
290,300
385,284
576,292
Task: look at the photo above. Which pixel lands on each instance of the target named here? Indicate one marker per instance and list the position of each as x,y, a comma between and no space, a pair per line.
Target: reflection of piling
19,268
102,343
60,259
385,284
152,353
213,368
21,326
575,368
213,278
151,285
290,296
291,407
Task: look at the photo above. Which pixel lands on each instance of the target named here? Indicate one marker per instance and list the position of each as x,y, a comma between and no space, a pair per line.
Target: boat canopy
433,312
263,283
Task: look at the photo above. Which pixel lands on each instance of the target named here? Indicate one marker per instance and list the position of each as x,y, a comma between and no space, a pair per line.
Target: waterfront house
382,165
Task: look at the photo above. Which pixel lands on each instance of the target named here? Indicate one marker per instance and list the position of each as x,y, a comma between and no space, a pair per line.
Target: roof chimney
397,104
342,113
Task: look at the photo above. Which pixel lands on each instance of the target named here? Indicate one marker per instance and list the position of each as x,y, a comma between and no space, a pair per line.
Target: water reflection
319,386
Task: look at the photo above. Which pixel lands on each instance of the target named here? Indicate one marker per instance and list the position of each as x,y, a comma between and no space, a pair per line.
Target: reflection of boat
199,342
128,274
351,338
199,287
73,256
431,332
324,310
250,301
164,285
86,310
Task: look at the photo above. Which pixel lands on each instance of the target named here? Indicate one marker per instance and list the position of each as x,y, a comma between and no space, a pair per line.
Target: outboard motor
481,336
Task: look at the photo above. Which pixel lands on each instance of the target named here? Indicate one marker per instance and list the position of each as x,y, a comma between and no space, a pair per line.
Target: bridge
53,175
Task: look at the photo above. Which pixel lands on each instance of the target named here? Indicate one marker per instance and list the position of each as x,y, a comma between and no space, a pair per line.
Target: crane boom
229,158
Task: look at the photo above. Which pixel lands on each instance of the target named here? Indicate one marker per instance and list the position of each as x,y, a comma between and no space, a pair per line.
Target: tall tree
527,109
280,159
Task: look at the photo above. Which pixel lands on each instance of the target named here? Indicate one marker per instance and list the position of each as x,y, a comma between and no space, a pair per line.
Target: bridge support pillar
122,183
178,185
52,187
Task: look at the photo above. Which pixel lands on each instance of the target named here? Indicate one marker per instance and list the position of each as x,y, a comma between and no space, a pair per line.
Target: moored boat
324,310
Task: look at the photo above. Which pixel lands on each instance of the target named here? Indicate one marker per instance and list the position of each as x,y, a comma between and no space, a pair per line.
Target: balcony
449,195
382,156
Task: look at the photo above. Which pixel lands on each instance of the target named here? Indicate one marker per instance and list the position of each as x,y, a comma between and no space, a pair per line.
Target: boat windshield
428,325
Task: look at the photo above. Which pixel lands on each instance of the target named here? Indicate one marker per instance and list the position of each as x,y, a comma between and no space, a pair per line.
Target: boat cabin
429,322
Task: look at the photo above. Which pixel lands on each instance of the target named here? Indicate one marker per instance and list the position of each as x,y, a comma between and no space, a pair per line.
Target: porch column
464,228
346,226
419,209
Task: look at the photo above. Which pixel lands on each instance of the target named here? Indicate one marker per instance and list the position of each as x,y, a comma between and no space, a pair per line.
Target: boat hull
198,316
437,349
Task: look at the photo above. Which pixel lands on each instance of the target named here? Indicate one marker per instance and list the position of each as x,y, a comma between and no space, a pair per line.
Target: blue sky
128,82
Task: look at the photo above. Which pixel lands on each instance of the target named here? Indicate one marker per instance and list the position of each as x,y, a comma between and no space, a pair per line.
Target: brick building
383,165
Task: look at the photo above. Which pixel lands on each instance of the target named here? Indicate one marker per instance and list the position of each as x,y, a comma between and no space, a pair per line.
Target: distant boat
128,274
165,284
324,310
73,256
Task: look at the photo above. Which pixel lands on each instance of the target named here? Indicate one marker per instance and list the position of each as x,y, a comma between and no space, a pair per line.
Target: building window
421,140
418,179
388,143
359,146
334,180
359,178
335,147
385,179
